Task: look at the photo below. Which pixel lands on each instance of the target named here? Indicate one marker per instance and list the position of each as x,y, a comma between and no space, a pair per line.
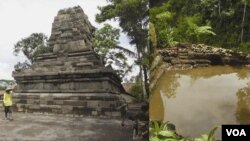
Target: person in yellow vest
8,102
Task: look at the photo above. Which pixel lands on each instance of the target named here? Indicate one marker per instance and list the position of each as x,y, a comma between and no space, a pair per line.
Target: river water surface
199,99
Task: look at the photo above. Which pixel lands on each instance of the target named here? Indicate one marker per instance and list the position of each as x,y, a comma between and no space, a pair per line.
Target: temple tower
72,79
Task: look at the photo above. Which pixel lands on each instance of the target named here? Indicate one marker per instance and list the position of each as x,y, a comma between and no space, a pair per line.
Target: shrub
160,131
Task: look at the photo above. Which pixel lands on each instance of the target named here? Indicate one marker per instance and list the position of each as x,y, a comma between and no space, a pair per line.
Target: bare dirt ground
41,127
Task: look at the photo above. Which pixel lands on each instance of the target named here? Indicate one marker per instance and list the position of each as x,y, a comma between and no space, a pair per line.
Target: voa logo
236,132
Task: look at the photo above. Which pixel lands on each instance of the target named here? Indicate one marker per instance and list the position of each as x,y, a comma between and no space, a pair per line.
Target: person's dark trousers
7,110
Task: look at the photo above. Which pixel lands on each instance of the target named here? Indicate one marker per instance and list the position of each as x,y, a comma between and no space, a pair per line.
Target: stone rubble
189,56
200,55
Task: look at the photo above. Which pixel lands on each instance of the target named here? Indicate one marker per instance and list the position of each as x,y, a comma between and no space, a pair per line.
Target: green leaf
154,139
203,137
170,140
156,127
167,133
211,134
164,16
205,30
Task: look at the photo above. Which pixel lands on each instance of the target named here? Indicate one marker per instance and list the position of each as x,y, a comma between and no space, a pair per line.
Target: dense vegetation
132,16
224,23
106,44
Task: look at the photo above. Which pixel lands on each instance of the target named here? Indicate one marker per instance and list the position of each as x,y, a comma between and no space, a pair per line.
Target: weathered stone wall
191,56
71,31
69,83
73,72
90,104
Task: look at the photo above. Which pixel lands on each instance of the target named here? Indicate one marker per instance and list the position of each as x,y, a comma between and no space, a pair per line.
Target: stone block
61,98
46,97
67,109
57,111
109,114
37,96
73,103
21,101
30,101
50,102
94,113
83,59
43,102
105,104
93,104
58,102
34,107
64,86
74,98
50,106
116,114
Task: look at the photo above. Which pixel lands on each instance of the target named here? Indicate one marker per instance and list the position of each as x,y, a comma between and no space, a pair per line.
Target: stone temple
72,79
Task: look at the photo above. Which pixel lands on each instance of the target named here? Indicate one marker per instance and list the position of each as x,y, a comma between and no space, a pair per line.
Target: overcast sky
20,18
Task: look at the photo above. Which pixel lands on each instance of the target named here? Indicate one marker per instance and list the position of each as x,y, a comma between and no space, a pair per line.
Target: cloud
5,71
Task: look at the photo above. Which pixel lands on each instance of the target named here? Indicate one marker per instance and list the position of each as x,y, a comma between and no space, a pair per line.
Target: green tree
106,40
32,46
233,24
224,23
178,21
153,42
246,2
133,19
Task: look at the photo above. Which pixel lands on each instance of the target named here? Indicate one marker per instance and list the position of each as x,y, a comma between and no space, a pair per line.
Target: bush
244,47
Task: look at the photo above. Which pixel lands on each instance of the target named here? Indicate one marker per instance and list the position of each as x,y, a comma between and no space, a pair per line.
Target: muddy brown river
199,99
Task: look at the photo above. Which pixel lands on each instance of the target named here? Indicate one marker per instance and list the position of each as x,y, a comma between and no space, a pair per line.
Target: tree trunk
219,7
243,20
145,74
140,74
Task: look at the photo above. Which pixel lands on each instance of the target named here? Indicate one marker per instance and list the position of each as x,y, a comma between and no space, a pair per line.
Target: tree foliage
32,46
132,16
106,41
153,41
224,23
175,22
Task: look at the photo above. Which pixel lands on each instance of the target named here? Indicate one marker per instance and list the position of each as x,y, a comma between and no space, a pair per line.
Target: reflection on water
198,100
243,105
